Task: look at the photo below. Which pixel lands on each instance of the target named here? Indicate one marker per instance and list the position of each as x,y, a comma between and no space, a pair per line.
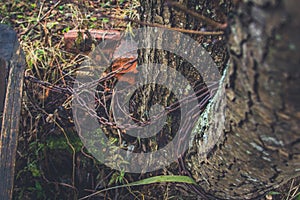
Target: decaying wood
13,55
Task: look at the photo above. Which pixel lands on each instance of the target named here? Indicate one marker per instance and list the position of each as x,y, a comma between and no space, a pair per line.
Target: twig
41,19
163,26
197,15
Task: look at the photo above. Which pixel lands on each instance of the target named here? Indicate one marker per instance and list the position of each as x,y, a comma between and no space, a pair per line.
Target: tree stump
12,66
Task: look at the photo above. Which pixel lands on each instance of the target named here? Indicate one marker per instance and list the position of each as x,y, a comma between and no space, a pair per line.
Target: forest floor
52,162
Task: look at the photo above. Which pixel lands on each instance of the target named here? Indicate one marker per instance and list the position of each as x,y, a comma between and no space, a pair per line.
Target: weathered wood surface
3,76
11,76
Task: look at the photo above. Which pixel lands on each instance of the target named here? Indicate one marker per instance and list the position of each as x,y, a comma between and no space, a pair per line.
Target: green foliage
33,5
65,30
50,25
33,168
121,1
60,143
38,190
273,193
93,19
61,8
105,20
117,177
151,180
165,178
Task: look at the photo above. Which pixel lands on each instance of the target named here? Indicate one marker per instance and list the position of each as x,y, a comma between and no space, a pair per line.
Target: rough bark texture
260,149
159,12
260,143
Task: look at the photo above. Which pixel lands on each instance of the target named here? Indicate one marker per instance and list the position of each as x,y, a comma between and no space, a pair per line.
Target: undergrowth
52,162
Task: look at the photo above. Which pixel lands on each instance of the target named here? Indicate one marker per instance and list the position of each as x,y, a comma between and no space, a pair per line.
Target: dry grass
47,126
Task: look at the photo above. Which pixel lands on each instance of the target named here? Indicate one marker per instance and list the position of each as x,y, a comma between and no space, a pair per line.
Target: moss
60,143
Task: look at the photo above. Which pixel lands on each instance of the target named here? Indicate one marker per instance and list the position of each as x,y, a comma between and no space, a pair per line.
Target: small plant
117,178
151,180
38,190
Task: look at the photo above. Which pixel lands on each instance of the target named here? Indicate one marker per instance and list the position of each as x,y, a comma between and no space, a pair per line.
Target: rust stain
123,66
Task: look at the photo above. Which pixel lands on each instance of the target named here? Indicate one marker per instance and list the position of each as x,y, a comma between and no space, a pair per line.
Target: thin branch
163,26
41,19
197,15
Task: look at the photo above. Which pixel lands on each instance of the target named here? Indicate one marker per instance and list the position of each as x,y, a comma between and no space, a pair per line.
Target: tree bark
258,146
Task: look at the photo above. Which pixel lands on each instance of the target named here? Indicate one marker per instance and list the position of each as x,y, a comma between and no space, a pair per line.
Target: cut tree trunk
259,143
260,149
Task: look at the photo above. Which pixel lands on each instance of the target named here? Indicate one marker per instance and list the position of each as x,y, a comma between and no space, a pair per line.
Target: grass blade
146,181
